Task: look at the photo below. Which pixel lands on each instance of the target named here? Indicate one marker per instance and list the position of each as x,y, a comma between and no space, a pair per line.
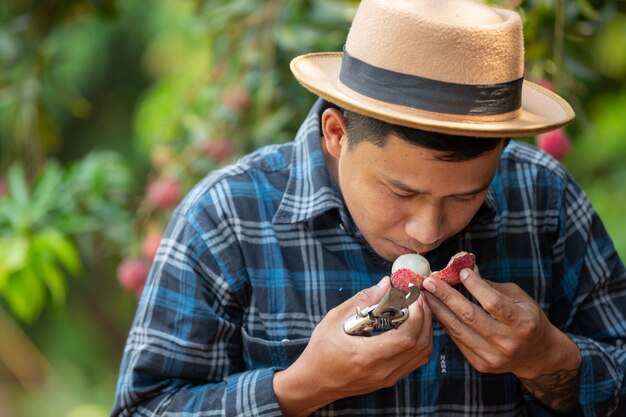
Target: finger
476,353
422,347
425,337
475,346
426,331
366,297
511,290
468,342
497,304
453,325
417,325
465,311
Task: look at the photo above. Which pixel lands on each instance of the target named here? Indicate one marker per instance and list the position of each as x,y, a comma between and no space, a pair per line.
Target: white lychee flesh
413,261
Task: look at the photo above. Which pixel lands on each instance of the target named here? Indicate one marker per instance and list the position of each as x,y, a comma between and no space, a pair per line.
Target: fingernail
464,274
428,284
381,282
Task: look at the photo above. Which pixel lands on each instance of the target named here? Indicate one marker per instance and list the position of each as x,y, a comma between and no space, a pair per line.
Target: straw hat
450,66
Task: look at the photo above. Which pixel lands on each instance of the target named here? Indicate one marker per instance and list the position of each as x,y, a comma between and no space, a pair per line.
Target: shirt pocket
260,353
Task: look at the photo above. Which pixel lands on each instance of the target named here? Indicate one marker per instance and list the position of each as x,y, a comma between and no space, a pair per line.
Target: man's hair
453,148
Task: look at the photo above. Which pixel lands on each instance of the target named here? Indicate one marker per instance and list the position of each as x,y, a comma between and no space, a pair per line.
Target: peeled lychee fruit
409,268
413,261
414,268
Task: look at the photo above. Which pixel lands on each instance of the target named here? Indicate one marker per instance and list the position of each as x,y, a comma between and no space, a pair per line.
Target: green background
100,98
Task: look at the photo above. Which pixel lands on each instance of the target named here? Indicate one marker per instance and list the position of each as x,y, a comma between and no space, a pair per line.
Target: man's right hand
336,365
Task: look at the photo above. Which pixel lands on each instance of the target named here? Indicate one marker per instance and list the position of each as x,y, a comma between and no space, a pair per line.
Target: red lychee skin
403,277
450,274
460,261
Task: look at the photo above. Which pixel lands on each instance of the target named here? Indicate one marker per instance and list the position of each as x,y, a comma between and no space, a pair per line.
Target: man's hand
508,332
335,365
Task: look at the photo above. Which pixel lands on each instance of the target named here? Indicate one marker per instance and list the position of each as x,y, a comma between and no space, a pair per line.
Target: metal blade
391,304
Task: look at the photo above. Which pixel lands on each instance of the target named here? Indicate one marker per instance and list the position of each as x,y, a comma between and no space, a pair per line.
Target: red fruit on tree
132,273
555,143
402,277
222,150
165,192
150,245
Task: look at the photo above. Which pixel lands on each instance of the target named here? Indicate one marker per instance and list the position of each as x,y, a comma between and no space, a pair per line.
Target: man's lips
402,250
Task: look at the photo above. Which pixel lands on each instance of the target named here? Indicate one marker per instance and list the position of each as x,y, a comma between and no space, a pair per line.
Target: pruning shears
389,313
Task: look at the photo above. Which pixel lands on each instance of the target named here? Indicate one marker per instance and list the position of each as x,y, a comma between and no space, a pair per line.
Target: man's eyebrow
403,187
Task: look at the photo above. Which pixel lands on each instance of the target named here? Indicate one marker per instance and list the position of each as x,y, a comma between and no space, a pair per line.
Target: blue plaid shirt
259,251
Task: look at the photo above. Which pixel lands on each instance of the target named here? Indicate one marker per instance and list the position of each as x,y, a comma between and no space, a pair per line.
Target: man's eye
465,197
400,196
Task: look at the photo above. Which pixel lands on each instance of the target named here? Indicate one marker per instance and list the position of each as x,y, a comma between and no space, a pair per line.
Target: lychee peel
402,276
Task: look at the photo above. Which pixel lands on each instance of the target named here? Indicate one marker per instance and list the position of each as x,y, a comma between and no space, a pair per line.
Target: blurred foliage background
111,110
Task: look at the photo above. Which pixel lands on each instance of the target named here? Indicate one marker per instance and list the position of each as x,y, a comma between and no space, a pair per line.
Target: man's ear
334,131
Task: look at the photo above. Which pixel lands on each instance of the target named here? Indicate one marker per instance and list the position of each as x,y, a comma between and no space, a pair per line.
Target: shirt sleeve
595,280
183,355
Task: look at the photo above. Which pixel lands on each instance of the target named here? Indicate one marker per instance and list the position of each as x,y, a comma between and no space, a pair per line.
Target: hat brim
541,109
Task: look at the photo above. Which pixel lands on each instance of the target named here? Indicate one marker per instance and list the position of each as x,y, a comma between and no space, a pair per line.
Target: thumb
373,294
365,297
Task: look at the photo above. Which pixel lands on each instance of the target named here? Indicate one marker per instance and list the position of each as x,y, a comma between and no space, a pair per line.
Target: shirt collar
310,189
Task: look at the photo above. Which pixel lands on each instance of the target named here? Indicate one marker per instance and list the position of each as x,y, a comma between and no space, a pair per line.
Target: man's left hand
507,332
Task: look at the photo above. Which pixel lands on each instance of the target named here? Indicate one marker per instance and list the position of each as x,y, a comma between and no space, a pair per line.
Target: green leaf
18,188
587,9
46,192
52,241
77,223
7,210
14,257
25,295
609,49
52,277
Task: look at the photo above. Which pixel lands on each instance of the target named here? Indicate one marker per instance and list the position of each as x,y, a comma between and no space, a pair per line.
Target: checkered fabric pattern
259,251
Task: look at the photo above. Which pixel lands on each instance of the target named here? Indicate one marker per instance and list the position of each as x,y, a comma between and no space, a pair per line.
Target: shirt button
342,227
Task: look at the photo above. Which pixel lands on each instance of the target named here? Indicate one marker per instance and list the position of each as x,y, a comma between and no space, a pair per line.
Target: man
407,153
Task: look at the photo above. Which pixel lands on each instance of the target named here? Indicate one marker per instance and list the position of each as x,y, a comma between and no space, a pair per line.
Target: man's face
404,200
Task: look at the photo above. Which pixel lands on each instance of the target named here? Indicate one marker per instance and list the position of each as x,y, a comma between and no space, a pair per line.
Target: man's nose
425,223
